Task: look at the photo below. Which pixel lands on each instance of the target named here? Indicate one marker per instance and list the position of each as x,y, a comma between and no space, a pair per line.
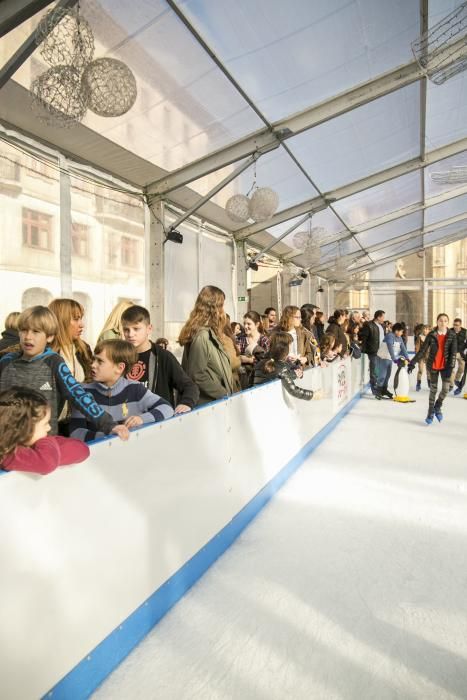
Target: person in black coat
156,368
439,349
10,335
371,336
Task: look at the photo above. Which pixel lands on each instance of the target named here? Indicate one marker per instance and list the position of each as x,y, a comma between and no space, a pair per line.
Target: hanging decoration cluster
310,243
76,81
259,204
441,51
457,174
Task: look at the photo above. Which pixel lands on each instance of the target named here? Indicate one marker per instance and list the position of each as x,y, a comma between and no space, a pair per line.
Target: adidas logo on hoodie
45,387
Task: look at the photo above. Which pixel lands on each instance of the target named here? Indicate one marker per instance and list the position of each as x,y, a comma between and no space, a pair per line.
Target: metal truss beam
14,12
319,203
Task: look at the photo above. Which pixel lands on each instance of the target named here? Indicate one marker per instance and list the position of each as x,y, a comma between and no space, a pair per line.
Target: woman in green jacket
205,358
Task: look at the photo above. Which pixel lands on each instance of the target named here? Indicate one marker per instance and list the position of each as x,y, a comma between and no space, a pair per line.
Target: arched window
35,296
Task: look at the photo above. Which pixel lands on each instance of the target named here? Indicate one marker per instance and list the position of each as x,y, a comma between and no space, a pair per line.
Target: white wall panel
82,548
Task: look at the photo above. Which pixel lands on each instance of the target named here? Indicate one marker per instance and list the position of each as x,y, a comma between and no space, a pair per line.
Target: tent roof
346,123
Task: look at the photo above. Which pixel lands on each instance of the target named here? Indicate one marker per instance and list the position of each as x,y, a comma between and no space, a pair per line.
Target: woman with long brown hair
204,342
69,344
253,344
291,322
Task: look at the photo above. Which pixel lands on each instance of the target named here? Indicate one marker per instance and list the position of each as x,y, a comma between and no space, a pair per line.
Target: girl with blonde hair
69,345
113,329
205,356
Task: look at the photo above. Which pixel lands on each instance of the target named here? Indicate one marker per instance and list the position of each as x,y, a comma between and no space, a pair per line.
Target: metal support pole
65,230
425,290
242,289
235,173
155,290
273,243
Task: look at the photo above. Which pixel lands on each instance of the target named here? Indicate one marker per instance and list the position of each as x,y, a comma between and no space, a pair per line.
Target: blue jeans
384,372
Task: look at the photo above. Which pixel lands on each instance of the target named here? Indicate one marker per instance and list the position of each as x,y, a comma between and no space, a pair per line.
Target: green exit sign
241,298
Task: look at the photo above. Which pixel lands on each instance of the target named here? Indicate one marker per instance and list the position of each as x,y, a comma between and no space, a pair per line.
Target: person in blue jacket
391,350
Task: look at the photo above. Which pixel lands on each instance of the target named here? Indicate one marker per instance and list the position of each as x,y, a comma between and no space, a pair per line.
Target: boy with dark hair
38,367
129,403
155,367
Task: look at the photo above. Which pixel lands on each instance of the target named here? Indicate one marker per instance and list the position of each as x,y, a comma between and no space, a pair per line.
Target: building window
129,247
36,296
80,240
37,229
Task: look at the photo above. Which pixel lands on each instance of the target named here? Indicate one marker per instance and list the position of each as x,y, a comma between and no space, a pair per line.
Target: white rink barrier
93,555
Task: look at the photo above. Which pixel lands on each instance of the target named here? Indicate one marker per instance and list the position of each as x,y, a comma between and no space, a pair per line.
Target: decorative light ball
57,97
301,239
319,234
312,255
237,208
263,203
109,87
65,38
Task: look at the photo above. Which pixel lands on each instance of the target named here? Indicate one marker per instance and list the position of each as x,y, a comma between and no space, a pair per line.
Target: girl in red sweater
24,441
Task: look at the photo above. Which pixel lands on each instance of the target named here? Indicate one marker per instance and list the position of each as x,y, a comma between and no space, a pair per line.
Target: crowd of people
56,394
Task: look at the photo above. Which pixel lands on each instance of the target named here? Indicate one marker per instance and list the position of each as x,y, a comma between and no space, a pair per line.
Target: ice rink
351,584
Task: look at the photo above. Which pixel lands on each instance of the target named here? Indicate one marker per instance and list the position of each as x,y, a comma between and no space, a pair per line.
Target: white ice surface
351,584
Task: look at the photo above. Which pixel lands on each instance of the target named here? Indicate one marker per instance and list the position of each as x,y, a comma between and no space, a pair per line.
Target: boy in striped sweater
129,403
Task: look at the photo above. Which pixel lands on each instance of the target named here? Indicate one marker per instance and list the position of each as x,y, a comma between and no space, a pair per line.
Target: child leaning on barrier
36,366
24,441
128,402
275,366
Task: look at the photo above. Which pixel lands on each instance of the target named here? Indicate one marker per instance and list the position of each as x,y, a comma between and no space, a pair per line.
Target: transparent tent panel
443,168
446,112
275,169
185,106
397,248
392,229
363,141
456,229
323,225
293,55
452,207
378,201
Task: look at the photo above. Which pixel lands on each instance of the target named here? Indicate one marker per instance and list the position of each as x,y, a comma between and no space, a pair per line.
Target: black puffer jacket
461,339
430,348
284,372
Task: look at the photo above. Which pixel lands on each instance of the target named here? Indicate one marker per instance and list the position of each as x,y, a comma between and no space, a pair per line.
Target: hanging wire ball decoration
237,208
65,38
109,87
263,203
57,97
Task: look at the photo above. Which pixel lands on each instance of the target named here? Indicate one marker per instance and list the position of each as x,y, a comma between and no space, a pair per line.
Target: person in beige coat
205,358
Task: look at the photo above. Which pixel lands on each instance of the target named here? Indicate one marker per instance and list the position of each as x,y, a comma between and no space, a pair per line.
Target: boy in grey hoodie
128,402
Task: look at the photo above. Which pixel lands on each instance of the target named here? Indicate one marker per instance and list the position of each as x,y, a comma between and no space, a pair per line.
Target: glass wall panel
288,56
29,230
107,244
363,141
